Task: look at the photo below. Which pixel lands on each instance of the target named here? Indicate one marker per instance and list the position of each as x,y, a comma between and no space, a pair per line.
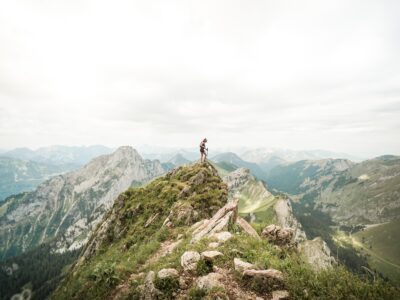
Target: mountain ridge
68,206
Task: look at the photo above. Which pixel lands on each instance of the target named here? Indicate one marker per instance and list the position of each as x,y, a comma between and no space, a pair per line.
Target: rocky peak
68,207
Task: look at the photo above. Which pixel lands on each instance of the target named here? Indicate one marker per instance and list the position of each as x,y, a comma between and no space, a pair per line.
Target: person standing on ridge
203,150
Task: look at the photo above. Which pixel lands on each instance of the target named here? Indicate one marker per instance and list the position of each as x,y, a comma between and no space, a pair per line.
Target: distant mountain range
23,169
18,176
59,155
67,207
234,159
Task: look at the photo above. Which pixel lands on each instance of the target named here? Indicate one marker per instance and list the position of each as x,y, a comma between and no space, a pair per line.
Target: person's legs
202,157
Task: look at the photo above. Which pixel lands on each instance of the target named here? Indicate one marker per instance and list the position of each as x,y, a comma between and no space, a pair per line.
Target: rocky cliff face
68,207
259,205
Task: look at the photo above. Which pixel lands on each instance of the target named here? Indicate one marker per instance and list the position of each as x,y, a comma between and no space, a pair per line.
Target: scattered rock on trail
211,255
277,235
213,245
168,273
270,273
223,236
209,281
189,260
280,295
149,291
241,265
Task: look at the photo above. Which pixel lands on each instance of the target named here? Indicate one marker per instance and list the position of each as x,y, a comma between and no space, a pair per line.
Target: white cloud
291,74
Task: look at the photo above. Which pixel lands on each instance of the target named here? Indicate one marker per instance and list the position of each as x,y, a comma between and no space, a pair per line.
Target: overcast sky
291,74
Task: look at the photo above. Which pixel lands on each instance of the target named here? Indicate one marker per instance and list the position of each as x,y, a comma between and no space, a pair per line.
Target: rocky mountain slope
258,205
336,198
180,237
68,207
352,194
17,175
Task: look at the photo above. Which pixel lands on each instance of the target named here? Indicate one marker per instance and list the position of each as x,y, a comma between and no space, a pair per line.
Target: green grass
381,244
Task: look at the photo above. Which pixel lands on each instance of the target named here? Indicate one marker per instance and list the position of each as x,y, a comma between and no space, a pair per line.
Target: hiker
203,150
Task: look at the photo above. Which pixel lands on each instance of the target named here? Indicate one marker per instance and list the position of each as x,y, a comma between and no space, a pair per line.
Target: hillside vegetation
150,230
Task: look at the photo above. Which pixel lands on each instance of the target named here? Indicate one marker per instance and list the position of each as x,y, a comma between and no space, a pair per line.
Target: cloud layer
290,74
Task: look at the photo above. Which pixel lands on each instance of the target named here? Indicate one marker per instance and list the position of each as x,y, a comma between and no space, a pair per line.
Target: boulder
277,235
213,245
223,236
189,260
241,265
280,295
209,281
270,273
168,273
211,255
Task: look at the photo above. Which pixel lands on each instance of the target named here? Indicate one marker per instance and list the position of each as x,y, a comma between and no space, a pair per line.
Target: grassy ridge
128,243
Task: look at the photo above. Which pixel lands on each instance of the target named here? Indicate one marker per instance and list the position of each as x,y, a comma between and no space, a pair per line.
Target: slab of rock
241,265
270,273
209,281
227,214
189,260
198,224
223,236
280,295
211,255
247,227
213,245
168,273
